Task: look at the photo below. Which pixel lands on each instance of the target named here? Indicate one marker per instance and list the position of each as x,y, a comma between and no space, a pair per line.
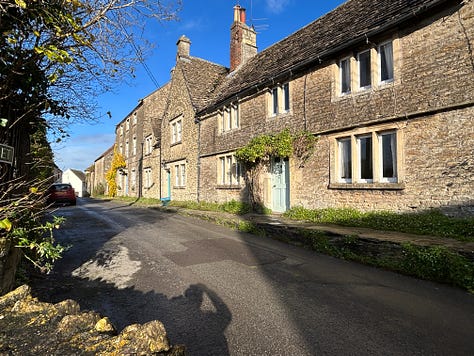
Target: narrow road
222,292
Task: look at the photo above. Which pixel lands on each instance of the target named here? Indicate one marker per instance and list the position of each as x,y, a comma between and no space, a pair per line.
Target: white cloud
276,6
81,151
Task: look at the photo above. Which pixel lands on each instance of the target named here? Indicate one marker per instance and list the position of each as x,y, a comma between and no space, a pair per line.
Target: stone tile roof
202,78
347,25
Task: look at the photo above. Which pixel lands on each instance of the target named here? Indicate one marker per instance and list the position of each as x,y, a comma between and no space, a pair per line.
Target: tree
55,55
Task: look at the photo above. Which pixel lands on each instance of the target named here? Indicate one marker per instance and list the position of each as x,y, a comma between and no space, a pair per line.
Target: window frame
379,57
176,131
342,70
279,99
366,70
180,175
229,171
392,146
340,142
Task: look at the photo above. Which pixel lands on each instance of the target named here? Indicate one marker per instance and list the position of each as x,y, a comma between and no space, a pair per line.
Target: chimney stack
184,45
243,40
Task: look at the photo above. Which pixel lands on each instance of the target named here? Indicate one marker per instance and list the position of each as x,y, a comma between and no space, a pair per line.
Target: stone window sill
367,186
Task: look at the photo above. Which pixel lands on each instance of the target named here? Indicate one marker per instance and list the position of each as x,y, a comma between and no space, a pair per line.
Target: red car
61,193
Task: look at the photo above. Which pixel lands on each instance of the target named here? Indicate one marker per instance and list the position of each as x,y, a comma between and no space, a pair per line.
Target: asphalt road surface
222,292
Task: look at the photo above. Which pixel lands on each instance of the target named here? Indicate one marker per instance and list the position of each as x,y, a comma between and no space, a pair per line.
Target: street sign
6,154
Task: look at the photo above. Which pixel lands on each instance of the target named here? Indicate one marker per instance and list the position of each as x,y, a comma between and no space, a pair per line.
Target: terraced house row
386,86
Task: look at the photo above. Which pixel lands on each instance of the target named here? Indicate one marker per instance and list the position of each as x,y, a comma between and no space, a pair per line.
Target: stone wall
426,104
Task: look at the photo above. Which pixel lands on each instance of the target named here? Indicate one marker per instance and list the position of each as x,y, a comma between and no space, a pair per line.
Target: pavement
276,226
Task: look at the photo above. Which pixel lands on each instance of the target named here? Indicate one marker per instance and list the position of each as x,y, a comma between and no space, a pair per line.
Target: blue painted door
280,185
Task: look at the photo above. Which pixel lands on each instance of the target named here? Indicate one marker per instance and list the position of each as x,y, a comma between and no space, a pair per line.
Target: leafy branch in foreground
22,221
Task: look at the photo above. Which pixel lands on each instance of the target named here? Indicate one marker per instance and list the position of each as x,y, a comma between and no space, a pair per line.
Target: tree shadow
196,318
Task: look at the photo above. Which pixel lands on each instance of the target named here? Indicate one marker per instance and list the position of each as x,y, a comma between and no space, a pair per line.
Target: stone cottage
386,86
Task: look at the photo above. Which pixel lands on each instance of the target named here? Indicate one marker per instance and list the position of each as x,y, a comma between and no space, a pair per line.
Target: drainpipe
198,193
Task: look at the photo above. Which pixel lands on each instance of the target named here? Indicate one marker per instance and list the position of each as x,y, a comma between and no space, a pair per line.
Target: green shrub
99,190
431,222
437,263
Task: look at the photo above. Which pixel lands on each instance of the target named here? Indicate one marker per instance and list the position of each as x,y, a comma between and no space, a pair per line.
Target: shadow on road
197,318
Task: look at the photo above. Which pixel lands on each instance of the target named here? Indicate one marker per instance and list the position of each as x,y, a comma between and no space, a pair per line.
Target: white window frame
180,175
279,99
394,153
229,171
340,146
230,117
149,144
379,50
342,69
377,135
176,131
148,177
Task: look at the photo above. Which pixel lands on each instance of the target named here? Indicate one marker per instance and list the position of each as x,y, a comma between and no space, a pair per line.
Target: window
148,178
345,160
176,131
367,157
368,68
121,149
148,145
280,100
127,124
388,147
230,117
180,175
134,146
133,179
364,145
121,130
134,118
126,148
364,70
386,62
286,97
230,172
345,70
275,110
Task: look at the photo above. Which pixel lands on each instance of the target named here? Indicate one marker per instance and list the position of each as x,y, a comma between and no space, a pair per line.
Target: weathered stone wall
185,152
429,103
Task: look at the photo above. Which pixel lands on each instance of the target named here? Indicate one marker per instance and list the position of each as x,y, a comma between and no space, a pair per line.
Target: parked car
61,193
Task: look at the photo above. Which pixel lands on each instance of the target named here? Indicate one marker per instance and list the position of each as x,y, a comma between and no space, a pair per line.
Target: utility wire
139,56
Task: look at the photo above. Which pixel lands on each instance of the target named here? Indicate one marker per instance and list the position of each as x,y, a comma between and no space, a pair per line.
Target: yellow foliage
118,162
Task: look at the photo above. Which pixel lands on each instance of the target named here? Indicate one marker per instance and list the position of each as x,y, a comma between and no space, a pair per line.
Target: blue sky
207,24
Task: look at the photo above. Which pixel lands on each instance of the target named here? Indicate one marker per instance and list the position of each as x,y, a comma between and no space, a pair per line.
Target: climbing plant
118,162
257,153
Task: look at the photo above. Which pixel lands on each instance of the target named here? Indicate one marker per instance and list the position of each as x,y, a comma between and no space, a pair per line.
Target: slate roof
346,26
79,174
202,78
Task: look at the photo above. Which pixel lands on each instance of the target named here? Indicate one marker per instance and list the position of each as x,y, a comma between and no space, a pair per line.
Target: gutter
324,55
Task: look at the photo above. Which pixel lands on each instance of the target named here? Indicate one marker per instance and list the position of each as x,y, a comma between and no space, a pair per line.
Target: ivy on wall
259,151
118,162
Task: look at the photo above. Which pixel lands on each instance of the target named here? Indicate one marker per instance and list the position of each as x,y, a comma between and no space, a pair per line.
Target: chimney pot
242,15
